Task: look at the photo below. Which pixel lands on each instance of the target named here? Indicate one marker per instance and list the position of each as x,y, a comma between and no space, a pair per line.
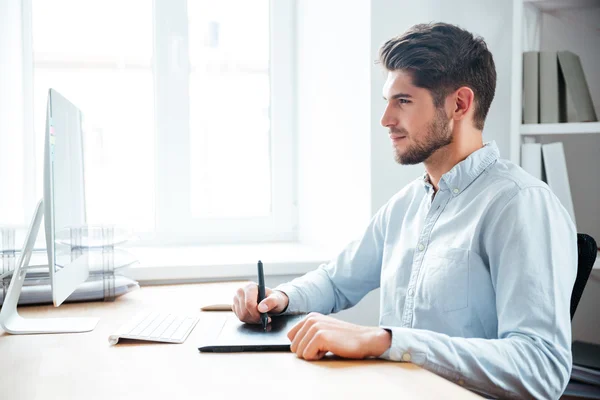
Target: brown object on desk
85,366
216,307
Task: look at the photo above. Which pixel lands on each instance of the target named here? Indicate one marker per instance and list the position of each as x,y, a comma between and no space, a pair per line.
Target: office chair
586,256
587,251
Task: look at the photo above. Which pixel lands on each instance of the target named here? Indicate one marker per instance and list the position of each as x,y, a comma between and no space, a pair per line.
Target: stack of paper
101,285
38,291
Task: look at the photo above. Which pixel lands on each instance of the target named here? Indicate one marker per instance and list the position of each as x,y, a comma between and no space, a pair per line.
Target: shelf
566,128
557,5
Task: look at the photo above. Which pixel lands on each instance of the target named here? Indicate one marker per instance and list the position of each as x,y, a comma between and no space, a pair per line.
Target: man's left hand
317,334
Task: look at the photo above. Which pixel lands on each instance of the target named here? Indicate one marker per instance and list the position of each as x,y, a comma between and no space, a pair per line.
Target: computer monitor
64,196
63,209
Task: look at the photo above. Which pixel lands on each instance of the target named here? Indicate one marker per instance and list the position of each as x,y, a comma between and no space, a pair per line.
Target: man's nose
388,119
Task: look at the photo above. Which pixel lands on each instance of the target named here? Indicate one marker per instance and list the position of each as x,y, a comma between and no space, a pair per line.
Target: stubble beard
438,136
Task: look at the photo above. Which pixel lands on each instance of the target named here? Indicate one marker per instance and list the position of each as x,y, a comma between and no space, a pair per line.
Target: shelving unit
552,25
556,5
569,128
528,33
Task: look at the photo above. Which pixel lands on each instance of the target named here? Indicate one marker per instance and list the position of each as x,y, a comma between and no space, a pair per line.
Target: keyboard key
144,324
163,326
183,329
172,328
152,327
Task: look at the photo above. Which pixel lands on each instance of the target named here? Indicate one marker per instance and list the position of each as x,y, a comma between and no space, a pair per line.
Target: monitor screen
64,196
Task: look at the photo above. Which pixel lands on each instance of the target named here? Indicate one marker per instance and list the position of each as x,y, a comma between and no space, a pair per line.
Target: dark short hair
441,58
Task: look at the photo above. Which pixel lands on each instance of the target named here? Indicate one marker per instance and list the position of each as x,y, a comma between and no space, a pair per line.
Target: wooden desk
85,366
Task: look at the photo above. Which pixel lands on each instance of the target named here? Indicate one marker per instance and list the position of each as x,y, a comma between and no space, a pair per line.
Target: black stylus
264,318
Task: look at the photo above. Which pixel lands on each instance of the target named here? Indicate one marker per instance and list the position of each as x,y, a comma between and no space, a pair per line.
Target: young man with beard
476,259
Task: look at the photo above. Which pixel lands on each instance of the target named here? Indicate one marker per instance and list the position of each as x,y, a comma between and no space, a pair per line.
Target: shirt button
421,247
406,357
461,382
456,191
411,291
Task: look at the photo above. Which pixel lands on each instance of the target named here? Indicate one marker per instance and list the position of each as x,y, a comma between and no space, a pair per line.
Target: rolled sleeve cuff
295,304
406,347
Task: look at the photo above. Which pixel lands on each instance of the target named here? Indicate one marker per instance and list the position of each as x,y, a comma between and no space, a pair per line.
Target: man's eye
403,101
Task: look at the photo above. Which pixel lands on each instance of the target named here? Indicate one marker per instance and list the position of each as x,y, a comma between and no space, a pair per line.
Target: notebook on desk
236,336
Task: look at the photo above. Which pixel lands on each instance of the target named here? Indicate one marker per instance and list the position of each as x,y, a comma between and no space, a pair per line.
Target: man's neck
447,157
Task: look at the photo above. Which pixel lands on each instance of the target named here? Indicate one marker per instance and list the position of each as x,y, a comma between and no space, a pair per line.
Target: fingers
294,331
272,303
250,302
317,347
314,340
301,329
235,306
317,334
304,337
310,319
245,304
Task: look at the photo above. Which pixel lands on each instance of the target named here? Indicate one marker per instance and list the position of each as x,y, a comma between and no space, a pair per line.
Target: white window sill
222,262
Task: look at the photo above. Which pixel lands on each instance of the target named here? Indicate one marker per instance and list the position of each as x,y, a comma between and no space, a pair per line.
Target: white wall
333,121
11,113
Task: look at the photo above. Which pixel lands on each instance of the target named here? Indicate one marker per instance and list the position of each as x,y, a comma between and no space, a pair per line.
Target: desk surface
85,366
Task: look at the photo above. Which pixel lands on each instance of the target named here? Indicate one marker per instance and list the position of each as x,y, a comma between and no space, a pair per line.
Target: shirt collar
465,172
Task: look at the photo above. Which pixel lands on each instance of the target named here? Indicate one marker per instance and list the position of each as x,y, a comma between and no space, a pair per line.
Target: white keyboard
156,326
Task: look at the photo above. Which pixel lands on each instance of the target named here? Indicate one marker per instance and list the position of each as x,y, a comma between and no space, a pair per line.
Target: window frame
173,222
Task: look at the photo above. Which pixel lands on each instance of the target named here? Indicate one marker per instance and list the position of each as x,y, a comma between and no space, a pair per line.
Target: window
189,112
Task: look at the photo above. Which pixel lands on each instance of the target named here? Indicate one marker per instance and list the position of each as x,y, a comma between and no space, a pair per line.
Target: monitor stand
10,320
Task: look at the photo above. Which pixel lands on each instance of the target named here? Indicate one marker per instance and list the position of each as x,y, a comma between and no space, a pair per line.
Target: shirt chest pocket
445,281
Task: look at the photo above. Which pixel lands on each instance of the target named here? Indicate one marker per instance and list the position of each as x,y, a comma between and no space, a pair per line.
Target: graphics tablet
236,336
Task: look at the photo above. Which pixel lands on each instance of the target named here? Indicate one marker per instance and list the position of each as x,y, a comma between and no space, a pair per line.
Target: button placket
432,216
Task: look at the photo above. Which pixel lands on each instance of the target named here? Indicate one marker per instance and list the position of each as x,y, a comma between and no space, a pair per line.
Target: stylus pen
261,294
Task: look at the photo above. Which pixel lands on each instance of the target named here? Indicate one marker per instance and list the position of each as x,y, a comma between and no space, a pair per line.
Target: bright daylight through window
188,112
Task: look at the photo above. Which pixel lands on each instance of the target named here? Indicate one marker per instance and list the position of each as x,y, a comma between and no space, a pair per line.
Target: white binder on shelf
576,86
531,87
552,89
556,175
531,159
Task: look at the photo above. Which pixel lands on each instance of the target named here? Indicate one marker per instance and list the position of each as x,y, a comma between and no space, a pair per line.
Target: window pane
98,55
229,108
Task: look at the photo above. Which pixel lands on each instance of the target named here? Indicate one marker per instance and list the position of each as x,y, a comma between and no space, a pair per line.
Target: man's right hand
247,309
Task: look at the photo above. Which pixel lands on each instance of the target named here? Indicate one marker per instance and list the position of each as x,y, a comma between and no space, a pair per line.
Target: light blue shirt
475,279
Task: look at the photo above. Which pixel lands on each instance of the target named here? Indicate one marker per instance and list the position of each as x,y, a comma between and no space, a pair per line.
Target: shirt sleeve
532,250
345,280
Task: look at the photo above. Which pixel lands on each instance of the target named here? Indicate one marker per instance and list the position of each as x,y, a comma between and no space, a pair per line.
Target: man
476,260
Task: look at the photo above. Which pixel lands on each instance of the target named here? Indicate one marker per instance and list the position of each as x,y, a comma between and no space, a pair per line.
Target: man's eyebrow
400,95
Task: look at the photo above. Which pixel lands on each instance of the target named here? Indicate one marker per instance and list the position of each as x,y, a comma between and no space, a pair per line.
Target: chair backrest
587,252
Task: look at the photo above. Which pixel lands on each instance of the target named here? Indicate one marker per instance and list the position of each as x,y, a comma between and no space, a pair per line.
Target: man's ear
464,103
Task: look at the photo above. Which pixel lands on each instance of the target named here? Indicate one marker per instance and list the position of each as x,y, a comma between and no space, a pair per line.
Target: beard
438,136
